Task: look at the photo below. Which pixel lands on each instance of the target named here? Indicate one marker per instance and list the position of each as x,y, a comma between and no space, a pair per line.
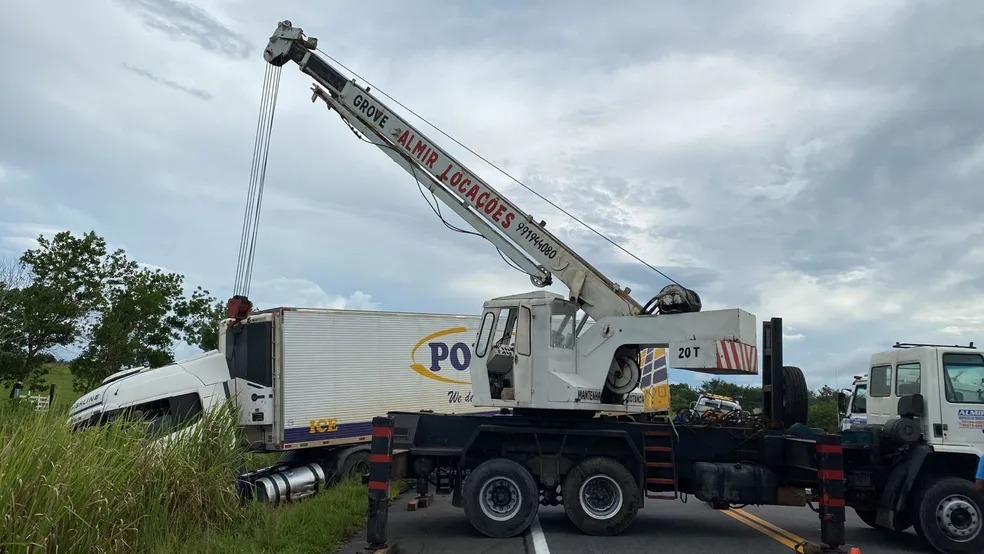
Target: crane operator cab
539,350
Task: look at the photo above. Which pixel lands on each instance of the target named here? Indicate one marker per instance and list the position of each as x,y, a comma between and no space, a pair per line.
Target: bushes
108,488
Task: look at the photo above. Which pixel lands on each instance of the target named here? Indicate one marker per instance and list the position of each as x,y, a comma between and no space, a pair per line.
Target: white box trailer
308,378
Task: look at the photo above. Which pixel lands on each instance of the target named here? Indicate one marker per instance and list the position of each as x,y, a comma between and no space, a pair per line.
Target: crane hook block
238,308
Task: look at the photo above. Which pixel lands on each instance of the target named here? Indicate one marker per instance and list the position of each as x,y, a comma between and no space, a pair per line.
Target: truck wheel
951,516
600,496
356,465
500,498
796,401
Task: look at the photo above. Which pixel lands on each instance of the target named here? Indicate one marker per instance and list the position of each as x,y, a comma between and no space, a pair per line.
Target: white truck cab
856,413
947,383
168,398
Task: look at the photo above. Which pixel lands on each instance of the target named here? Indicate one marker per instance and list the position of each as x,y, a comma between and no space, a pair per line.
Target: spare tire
796,397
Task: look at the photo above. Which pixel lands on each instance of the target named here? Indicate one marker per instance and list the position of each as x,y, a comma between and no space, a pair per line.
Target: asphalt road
675,527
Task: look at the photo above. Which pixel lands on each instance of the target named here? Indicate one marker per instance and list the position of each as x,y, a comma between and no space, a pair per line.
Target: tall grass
110,488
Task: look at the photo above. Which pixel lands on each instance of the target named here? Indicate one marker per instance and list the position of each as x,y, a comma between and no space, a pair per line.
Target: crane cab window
907,378
964,378
497,329
880,381
484,334
563,324
524,342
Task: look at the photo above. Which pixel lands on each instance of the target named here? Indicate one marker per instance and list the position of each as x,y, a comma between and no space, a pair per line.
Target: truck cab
949,382
169,398
853,410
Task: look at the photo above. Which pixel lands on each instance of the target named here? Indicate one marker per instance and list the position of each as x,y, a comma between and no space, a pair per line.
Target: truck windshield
964,374
860,403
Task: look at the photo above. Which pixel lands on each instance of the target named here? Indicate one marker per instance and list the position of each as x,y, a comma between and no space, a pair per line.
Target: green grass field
60,375
107,489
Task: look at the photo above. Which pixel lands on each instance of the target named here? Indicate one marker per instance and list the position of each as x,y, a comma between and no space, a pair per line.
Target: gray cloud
756,154
196,92
184,21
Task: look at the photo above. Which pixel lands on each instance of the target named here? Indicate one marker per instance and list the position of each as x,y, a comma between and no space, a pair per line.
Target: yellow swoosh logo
426,372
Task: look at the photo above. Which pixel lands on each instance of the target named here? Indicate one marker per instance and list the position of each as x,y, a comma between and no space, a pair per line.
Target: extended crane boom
530,351
491,213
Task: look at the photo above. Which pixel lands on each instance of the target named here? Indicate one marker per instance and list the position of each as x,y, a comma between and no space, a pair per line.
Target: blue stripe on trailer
341,431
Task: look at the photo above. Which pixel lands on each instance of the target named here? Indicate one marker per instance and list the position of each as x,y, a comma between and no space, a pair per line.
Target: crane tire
600,496
951,516
500,498
796,400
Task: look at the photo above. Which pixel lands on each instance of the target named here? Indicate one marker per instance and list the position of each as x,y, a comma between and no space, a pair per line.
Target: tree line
823,412
73,292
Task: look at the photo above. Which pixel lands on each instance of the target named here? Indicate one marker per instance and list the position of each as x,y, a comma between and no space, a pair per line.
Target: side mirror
693,405
842,402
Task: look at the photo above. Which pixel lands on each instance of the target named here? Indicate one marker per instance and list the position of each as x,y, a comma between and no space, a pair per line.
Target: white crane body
530,351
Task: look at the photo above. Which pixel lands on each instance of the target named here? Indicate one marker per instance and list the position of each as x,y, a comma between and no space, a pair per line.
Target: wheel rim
359,468
959,518
500,498
600,496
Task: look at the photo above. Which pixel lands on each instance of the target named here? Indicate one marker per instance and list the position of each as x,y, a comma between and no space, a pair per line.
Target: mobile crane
526,355
552,378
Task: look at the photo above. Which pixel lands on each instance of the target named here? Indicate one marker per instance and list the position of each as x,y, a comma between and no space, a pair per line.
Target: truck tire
600,496
796,401
356,465
500,498
951,516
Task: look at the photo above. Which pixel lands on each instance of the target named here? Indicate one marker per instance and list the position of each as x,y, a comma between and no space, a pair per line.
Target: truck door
881,405
962,398
523,359
857,409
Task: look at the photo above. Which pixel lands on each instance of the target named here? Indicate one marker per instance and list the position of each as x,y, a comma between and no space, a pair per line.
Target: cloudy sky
821,163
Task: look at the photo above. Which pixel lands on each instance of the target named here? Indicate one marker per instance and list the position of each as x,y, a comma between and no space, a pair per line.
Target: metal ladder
660,465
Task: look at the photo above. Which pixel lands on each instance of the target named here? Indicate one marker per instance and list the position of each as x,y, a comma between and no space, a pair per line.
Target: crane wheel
500,498
600,496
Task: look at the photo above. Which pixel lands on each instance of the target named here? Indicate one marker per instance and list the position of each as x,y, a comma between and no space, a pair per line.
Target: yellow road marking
776,533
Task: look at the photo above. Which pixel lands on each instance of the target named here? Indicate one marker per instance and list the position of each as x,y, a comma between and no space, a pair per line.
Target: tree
13,276
824,415
144,312
201,315
77,292
681,395
60,287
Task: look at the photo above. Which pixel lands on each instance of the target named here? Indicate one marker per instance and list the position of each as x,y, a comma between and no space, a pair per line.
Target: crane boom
489,211
530,352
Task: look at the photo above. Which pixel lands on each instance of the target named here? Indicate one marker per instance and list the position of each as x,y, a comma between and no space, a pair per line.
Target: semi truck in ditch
550,377
307,382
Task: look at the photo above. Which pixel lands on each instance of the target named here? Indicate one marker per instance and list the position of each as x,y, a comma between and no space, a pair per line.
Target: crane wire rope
504,172
257,179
